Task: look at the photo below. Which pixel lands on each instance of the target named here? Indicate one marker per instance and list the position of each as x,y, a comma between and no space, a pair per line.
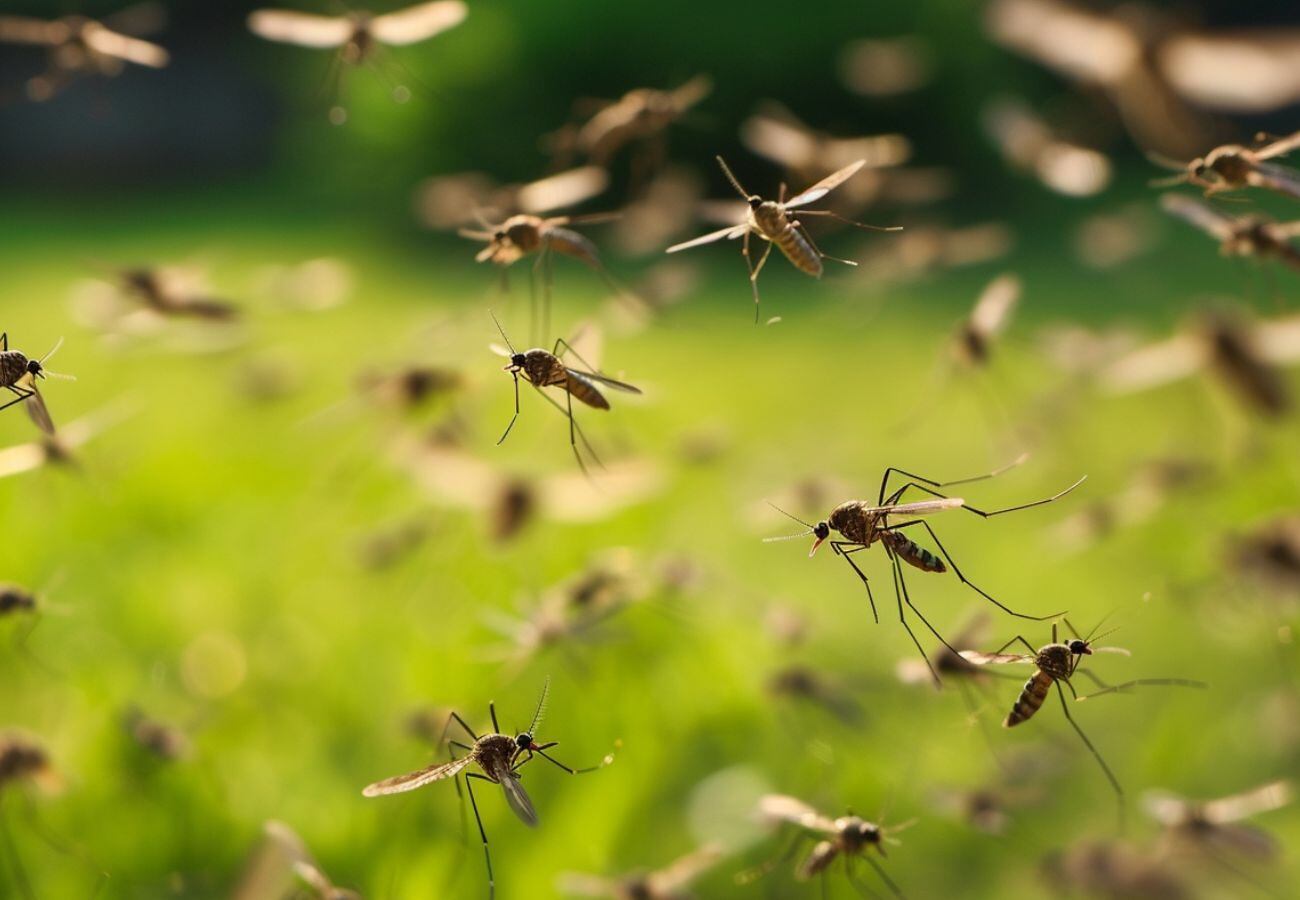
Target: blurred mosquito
1116,869
1056,664
1028,144
57,446
499,758
1269,554
862,524
1233,167
1241,236
463,198
929,248
526,234
282,866
774,222
541,369
1206,826
804,684
167,293
848,837
359,37
669,883
159,739
22,760
77,46
410,387
19,376
992,313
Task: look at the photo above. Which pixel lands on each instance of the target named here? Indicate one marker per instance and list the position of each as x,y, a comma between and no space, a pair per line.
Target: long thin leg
22,395
574,426
907,598
1129,685
1110,776
487,855
492,711
753,276
898,595
838,547
562,347
513,418
970,584
894,470
461,722
1029,646
818,250
573,441
863,889
986,513
749,265
835,215
880,870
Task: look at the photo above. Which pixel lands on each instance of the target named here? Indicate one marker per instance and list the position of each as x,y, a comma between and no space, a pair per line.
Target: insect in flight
281,866
22,760
542,369
359,36
848,837
19,376
1056,664
1233,167
774,222
499,758
1246,236
1206,826
974,341
463,198
78,46
672,882
1028,143
1269,554
861,524
1116,869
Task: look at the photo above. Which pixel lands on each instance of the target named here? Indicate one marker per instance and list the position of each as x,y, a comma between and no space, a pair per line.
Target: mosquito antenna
53,350
789,515
541,706
1100,622
502,330
731,177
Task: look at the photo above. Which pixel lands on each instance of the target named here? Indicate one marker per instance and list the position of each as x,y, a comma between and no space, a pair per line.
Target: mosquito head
516,362
524,741
821,531
754,201
1080,647
35,368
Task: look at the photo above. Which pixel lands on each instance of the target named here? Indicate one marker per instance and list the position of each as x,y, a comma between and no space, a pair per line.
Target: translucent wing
782,142
453,477
1279,147
1278,340
604,380
1198,214
692,92
573,497
1079,44
1166,808
775,808
670,881
826,185
583,885
39,413
993,309
419,22
919,508
1243,72
267,874
27,30
409,782
110,43
986,659
730,233
518,800
1282,179
1262,799
302,29
1156,364
22,458
562,189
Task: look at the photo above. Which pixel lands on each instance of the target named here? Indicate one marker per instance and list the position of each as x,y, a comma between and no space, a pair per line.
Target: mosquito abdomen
776,227
582,390
913,553
1030,699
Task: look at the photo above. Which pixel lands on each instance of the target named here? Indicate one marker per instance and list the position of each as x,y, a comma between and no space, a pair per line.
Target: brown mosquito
1234,167
973,344
56,446
848,837
1242,236
19,376
1116,869
463,198
672,882
499,758
775,222
1057,663
22,760
542,369
281,866
164,292
862,524
410,387
155,737
77,46
1206,826
359,37
1269,554
1030,145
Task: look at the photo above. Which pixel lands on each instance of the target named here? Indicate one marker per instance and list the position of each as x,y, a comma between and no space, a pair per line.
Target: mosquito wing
303,29
692,92
110,43
991,659
776,808
993,309
731,232
581,884
1262,799
562,189
411,781
39,413
1278,340
22,458
1245,72
1167,808
419,22
518,800
1080,44
825,186
1199,215
1156,364
27,30
1274,177
783,142
919,508
678,875
604,380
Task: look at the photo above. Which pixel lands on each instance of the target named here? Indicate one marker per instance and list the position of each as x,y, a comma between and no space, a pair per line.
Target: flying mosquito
1029,144
1116,869
773,221
545,369
973,344
1233,167
281,866
56,446
1245,236
849,837
153,736
167,293
806,685
462,198
672,882
19,376
77,46
1269,554
499,758
1205,826
359,36
861,524
1056,664
410,387
22,760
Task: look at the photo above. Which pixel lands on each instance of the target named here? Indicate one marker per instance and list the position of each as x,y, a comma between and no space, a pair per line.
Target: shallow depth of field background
204,564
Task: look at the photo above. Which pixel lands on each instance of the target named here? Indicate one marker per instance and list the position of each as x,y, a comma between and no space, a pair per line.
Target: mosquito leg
894,470
461,722
22,395
574,427
532,298
1110,776
990,513
4,341
1019,638
818,250
1126,686
573,441
487,855
749,264
492,711
838,547
513,418
555,761
753,276
562,347
976,588
880,870
898,595
902,582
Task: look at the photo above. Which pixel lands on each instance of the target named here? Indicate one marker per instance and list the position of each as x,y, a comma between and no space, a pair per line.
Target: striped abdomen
774,224
1030,699
583,390
912,553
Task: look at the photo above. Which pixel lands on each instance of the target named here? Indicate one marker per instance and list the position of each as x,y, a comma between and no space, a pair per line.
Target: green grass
205,569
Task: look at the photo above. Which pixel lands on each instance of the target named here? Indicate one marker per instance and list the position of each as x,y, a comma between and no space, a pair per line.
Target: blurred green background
203,564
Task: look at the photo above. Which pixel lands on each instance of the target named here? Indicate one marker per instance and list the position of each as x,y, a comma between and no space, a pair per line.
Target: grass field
205,569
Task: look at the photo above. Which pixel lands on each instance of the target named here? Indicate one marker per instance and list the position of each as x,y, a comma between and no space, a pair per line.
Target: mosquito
462,198
862,524
499,758
1204,826
410,387
541,369
19,375
1057,663
1029,144
359,36
669,883
281,866
973,344
848,837
163,291
1116,869
805,684
79,46
774,222
1242,236
22,760
156,737
1269,554
1233,167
